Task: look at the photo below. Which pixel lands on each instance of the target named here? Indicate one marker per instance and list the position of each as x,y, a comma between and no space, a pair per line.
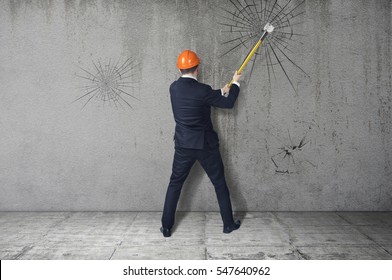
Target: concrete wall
54,155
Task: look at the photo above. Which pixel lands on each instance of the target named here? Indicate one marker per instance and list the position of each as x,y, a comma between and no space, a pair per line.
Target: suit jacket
191,103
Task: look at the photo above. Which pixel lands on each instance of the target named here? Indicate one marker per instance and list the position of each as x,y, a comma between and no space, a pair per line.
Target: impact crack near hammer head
269,27
245,21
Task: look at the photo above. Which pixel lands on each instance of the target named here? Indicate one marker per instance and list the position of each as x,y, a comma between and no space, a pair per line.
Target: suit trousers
211,161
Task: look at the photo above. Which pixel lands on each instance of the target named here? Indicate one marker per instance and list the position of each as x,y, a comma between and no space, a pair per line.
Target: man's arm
226,97
225,90
216,99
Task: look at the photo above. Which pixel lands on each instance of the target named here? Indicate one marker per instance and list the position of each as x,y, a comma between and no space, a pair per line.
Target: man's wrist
237,83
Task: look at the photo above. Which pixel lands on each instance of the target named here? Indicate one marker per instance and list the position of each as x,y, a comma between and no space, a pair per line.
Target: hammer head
269,27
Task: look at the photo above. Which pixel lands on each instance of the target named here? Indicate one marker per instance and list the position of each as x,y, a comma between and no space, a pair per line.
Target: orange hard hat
187,59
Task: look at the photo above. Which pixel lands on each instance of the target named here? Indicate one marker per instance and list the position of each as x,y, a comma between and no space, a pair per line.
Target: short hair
189,70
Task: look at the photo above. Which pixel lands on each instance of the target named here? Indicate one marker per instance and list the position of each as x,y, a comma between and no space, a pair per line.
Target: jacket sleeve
216,99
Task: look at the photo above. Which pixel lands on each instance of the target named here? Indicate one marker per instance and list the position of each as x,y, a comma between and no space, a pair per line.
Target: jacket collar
186,76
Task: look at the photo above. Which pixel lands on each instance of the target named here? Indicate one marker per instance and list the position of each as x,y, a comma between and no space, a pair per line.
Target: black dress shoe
234,226
166,232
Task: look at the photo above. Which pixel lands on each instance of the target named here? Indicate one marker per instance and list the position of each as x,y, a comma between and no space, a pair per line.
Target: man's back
191,104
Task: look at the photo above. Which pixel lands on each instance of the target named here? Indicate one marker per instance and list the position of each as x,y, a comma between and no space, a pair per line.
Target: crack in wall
110,82
243,22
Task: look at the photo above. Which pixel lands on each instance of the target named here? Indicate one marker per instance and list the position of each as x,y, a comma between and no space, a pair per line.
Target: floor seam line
292,238
367,236
205,236
111,256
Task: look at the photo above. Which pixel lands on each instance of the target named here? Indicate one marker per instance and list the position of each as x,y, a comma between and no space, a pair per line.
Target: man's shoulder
173,84
204,85
201,87
188,82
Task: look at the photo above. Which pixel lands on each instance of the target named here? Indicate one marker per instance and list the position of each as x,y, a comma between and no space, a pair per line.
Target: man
195,138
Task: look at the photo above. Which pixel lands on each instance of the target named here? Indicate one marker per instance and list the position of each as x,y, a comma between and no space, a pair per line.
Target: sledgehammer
268,28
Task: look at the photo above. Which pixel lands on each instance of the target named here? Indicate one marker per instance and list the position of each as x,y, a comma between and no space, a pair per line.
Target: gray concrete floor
197,235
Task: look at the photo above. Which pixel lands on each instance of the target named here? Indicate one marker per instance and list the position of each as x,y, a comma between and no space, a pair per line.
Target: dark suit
195,139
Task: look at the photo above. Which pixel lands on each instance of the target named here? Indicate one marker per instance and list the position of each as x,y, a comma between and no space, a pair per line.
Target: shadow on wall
237,197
